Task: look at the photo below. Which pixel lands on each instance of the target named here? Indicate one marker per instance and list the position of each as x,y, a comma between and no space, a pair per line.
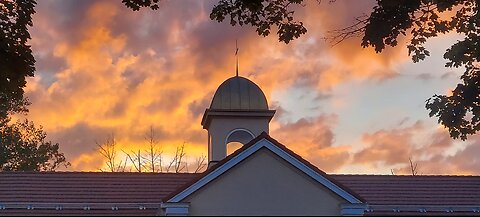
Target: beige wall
264,184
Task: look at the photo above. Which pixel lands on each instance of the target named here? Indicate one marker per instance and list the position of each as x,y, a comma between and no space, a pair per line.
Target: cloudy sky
103,70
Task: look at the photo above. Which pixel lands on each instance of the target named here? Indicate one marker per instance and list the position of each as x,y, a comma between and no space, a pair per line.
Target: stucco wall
264,184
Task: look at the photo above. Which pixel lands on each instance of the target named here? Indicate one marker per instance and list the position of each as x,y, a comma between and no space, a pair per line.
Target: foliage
262,14
459,112
23,148
137,4
389,20
16,59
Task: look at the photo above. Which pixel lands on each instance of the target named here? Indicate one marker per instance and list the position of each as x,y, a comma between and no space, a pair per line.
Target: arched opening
232,147
236,139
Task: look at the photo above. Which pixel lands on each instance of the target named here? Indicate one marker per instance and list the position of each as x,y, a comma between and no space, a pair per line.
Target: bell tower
238,113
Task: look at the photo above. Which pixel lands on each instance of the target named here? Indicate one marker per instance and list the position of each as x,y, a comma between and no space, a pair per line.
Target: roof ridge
430,175
92,172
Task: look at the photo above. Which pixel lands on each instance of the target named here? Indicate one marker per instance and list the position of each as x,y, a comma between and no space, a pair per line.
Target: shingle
414,190
126,191
129,192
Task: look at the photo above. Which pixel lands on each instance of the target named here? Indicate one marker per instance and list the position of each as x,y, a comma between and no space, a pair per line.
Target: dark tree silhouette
23,148
151,160
16,59
425,19
108,150
261,14
389,19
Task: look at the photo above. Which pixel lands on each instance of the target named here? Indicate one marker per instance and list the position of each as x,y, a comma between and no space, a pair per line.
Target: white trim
175,209
353,209
236,130
275,149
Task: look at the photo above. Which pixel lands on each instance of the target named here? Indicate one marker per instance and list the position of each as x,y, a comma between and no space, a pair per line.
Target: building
263,177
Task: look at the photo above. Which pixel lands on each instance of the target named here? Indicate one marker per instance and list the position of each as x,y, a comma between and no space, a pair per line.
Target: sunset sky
103,69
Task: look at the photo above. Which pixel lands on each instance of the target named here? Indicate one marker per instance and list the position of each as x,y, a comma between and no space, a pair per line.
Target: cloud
103,69
389,147
313,139
438,154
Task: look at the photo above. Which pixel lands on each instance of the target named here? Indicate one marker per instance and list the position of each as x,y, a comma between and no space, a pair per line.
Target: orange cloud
392,149
313,140
104,69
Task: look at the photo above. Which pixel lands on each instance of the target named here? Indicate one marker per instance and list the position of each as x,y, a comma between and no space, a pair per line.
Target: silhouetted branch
154,154
136,159
108,150
413,167
200,163
356,29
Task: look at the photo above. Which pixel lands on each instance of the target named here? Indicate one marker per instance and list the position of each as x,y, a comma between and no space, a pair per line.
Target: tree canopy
425,19
22,145
16,58
23,148
390,19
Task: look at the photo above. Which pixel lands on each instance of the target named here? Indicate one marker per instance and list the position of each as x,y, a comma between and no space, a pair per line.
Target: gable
177,202
264,141
264,184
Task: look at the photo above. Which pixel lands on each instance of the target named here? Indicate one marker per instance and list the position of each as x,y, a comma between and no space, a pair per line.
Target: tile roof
425,195
71,193
420,190
94,193
82,193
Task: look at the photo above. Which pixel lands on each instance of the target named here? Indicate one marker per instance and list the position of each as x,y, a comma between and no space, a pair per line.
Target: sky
105,70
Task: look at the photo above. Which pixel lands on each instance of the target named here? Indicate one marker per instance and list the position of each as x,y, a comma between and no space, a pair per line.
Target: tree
413,166
108,150
150,160
460,112
23,148
22,145
389,19
153,158
262,14
16,59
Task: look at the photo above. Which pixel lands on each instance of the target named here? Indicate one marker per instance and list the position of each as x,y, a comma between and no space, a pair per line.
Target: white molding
277,150
175,209
353,209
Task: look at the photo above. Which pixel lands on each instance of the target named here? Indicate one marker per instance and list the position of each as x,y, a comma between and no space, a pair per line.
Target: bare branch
136,159
181,154
154,154
108,150
356,29
200,163
413,167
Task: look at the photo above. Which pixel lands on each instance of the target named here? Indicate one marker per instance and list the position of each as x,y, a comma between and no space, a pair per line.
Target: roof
80,193
130,191
239,93
94,193
273,145
419,190
425,195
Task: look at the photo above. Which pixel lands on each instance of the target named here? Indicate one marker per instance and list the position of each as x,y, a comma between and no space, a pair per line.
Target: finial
236,54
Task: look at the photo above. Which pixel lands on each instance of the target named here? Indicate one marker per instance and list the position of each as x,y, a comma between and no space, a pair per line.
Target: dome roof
239,93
